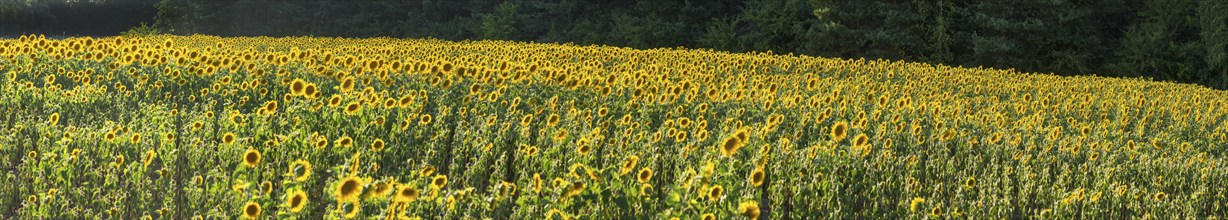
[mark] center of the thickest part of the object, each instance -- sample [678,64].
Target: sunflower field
[202,127]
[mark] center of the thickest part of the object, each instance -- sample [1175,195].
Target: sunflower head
[377,145]
[439,181]
[716,192]
[730,145]
[251,158]
[251,210]
[348,189]
[757,177]
[644,175]
[296,201]
[300,170]
[749,209]
[839,131]
[406,193]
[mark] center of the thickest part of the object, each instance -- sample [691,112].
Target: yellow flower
[296,201]
[348,189]
[405,193]
[644,176]
[300,170]
[251,210]
[439,181]
[915,203]
[757,177]
[749,209]
[353,108]
[730,146]
[377,145]
[839,131]
[251,158]
[149,157]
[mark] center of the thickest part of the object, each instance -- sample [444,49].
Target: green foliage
[142,30]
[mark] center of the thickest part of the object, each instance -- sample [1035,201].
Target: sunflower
[426,171]
[251,210]
[345,141]
[425,119]
[297,86]
[334,101]
[730,145]
[537,182]
[348,189]
[528,118]
[629,164]
[270,107]
[136,138]
[53,119]
[839,131]
[300,170]
[936,211]
[644,175]
[149,157]
[379,190]
[228,138]
[583,146]
[1161,196]
[321,142]
[716,192]
[861,140]
[110,136]
[353,108]
[377,145]
[251,158]
[266,187]
[915,203]
[354,208]
[970,183]
[757,177]
[347,84]
[296,201]
[708,216]
[749,209]
[405,194]
[119,160]
[552,120]
[439,181]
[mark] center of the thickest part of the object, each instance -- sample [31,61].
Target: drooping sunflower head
[149,157]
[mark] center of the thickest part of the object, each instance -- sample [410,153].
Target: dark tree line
[1175,40]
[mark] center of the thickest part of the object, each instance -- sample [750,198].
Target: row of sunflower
[202,127]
